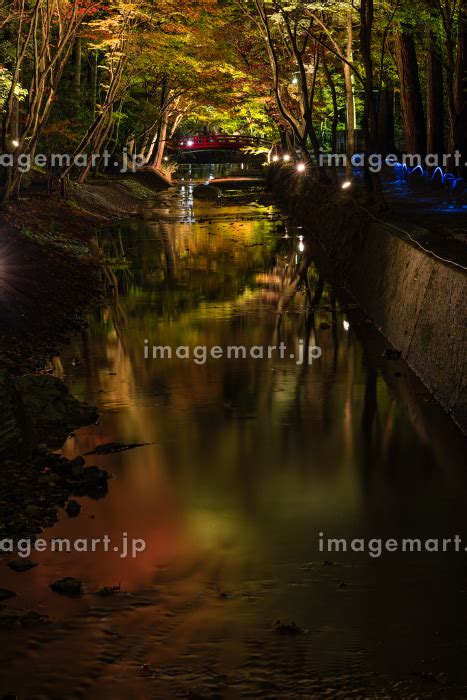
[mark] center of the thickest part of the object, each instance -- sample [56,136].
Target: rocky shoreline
[50,273]
[37,413]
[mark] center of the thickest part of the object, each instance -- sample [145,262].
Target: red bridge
[215,142]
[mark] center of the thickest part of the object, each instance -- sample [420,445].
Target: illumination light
[275,158]
[166,157]
[301,167]
[346,185]
[301,246]
[190,143]
[402,168]
[295,80]
[286,157]
[346,325]
[15,143]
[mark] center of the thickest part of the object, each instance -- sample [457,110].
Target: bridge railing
[215,141]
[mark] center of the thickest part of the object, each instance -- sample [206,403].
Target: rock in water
[77,472]
[112,447]
[95,475]
[208,192]
[78,462]
[22,564]
[67,586]
[288,628]
[109,591]
[73,509]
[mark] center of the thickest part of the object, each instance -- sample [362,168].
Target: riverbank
[51,270]
[51,264]
[416,299]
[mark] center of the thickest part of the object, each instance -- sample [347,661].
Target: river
[246,462]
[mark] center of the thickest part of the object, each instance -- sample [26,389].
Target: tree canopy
[82,76]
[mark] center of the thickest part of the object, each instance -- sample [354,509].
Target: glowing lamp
[275,158]
[190,143]
[346,185]
[15,143]
[301,167]
[286,158]
[346,325]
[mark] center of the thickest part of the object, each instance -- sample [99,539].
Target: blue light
[402,168]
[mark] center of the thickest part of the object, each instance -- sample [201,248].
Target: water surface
[247,461]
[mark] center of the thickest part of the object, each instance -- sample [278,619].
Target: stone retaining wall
[417,301]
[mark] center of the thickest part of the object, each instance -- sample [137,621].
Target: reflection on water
[248,461]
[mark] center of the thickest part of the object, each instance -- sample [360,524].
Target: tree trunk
[386,142]
[411,95]
[175,125]
[283,137]
[349,96]
[335,114]
[15,119]
[157,160]
[369,119]
[152,146]
[93,98]
[434,99]
[77,69]
[155,154]
[460,87]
